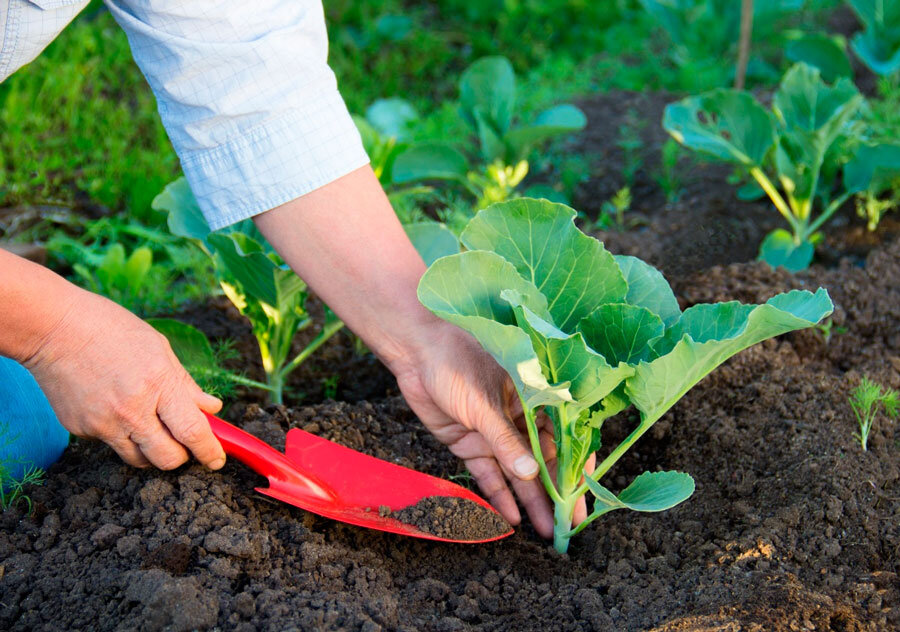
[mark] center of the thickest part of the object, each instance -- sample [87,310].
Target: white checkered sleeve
[247,97]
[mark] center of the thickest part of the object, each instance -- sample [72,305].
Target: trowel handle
[265,460]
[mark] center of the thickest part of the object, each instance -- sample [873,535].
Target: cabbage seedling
[255,279]
[585,335]
[808,118]
[878,45]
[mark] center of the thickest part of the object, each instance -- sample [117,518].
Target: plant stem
[535,442]
[621,449]
[827,213]
[327,332]
[776,198]
[744,43]
[562,523]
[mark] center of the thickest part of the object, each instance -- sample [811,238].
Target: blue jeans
[30,434]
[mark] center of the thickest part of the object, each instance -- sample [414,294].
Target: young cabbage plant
[256,280]
[584,335]
[126,279]
[487,94]
[878,45]
[793,142]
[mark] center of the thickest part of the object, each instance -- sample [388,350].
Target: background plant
[878,44]
[866,400]
[202,360]
[790,146]
[585,335]
[256,281]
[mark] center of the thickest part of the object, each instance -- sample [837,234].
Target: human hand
[110,376]
[469,403]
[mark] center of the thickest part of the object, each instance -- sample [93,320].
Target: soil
[792,526]
[453,518]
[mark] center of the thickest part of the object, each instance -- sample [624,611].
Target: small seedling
[866,400]
[13,491]
[585,335]
[827,329]
[330,386]
[613,210]
[257,282]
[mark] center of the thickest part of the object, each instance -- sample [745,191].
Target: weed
[866,400]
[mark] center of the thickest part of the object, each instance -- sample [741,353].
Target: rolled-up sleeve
[247,98]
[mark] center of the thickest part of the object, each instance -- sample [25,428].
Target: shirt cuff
[302,149]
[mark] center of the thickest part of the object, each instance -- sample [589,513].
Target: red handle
[265,460]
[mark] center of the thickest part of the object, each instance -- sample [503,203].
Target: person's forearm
[346,242]
[32,301]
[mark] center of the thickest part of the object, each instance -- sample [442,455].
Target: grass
[81,118]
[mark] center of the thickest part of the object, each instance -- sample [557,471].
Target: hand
[469,403]
[111,376]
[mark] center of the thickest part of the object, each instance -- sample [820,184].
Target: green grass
[82,118]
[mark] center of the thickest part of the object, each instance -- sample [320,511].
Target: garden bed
[792,526]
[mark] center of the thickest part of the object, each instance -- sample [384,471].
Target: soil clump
[453,518]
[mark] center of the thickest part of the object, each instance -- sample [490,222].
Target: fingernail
[217,464]
[525,466]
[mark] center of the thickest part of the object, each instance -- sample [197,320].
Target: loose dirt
[792,527]
[453,518]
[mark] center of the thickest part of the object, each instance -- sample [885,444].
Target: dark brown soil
[792,526]
[453,518]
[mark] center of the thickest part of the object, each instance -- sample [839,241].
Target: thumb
[510,448]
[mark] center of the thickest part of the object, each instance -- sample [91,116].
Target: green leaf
[725,124]
[621,332]
[492,146]
[488,86]
[567,358]
[872,168]
[432,240]
[138,266]
[392,117]
[191,346]
[260,277]
[877,51]
[820,51]
[185,218]
[647,287]
[658,384]
[430,161]
[465,289]
[780,249]
[657,491]
[804,102]
[649,492]
[574,271]
[559,120]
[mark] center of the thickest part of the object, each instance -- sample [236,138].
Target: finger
[537,505]
[548,446]
[158,446]
[508,445]
[189,426]
[128,451]
[581,506]
[493,485]
[205,402]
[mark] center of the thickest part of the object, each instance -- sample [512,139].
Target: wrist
[38,301]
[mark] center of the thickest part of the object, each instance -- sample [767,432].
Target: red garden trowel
[334,481]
